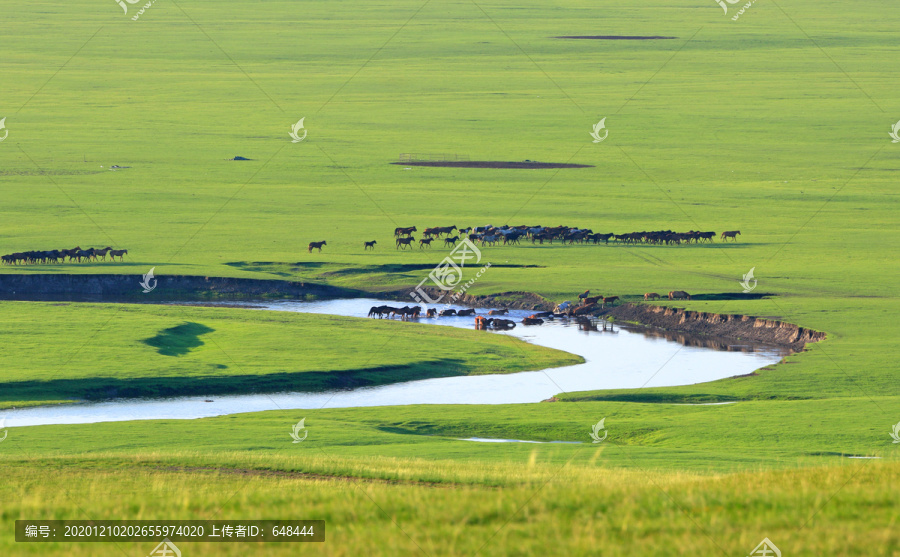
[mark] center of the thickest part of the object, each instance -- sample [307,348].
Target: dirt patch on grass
[298,475]
[615,37]
[495,164]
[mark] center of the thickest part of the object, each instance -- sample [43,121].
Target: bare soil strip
[614,37]
[494,164]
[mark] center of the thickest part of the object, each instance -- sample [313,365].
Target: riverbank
[126,288]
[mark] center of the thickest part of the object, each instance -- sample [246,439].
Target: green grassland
[776,124]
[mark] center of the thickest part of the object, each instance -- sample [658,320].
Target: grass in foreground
[538,510]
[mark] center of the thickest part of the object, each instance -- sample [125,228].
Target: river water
[618,358]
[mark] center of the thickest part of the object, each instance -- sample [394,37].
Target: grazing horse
[651,296]
[405,242]
[503,311]
[610,299]
[404,231]
[117,253]
[450,240]
[370,245]
[315,245]
[465,312]
[532,321]
[85,254]
[425,243]
[101,253]
[679,295]
[733,234]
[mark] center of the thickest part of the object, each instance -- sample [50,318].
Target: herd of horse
[513,235]
[75,254]
[588,306]
[507,235]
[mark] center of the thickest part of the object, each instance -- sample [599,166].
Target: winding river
[624,357]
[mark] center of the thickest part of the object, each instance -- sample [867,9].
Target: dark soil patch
[299,475]
[495,164]
[614,37]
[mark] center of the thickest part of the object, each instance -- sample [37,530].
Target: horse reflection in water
[587,324]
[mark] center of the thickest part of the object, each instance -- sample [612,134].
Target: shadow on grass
[178,341]
[100,388]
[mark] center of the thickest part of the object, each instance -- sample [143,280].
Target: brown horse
[404,242]
[404,231]
[586,310]
[482,323]
[465,312]
[370,245]
[498,312]
[118,253]
[733,234]
[591,300]
[679,295]
[315,245]
[610,299]
[425,242]
[431,312]
[651,296]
